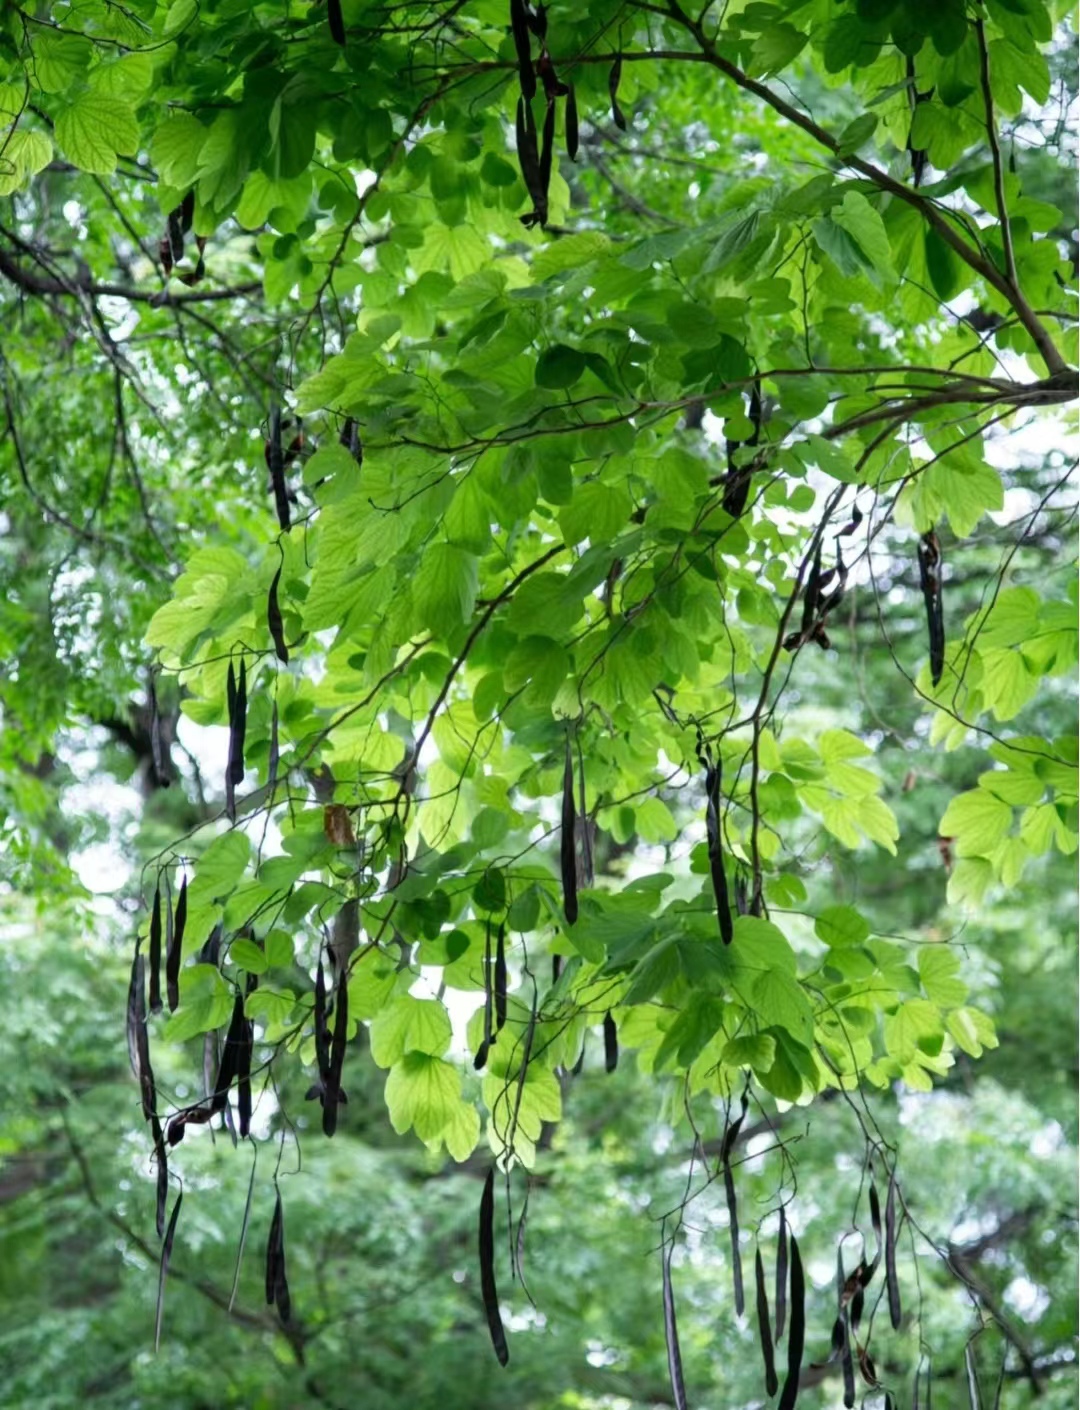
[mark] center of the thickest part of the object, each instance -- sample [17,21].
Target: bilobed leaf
[94,129]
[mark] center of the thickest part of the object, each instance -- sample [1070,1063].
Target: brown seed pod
[671,1336]
[336,21]
[488,1289]
[274,621]
[175,950]
[166,1254]
[764,1327]
[572,135]
[519,24]
[614,76]
[567,849]
[155,953]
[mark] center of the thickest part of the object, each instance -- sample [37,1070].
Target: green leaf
[94,129]
[409,1025]
[444,591]
[841,925]
[559,367]
[977,821]
[423,1092]
[938,970]
[780,1002]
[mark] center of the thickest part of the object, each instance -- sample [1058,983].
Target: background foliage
[582,400]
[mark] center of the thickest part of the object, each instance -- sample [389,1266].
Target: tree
[574,552]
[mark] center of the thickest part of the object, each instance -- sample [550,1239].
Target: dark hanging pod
[488,1290]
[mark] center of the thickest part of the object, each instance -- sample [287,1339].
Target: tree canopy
[562,523]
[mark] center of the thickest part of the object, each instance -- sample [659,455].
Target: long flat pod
[892,1282]
[229,1054]
[485,1043]
[277,1283]
[230,702]
[797,1332]
[736,1255]
[714,842]
[335,21]
[929,554]
[244,1228]
[175,951]
[333,1096]
[274,620]
[488,1290]
[974,1395]
[162,1175]
[157,744]
[764,1327]
[499,986]
[275,461]
[528,158]
[781,1274]
[611,1044]
[567,849]
[239,726]
[572,135]
[847,1364]
[547,143]
[155,952]
[243,1076]
[613,91]
[519,24]
[136,1005]
[163,1269]
[671,1336]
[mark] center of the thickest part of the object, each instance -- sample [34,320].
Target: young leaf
[487,1269]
